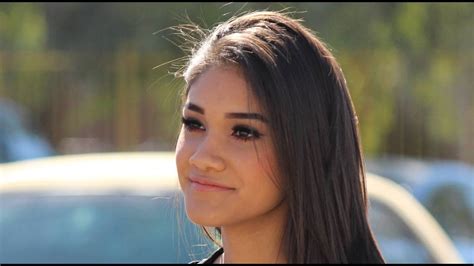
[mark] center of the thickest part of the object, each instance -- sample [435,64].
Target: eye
[192,124]
[245,133]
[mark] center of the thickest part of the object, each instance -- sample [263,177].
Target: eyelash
[192,124]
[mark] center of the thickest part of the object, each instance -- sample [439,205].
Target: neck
[256,241]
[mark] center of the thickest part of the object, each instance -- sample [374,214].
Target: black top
[209,260]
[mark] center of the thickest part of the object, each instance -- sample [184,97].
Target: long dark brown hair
[302,90]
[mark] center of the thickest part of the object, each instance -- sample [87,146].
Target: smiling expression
[224,154]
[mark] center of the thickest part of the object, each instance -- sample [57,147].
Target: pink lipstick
[205,184]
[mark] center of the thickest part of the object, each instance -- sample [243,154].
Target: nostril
[207,161]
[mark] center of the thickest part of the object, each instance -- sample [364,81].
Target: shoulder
[210,259]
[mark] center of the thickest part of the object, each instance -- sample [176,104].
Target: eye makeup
[192,124]
[240,132]
[245,133]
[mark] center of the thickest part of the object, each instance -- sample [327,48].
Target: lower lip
[208,188]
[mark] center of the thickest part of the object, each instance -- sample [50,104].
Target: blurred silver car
[444,187]
[126,207]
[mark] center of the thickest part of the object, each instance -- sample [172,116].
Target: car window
[398,243]
[38,228]
[452,206]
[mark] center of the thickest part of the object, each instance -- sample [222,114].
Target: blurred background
[92,77]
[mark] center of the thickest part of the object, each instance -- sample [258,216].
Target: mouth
[203,184]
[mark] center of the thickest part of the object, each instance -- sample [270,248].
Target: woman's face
[223,178]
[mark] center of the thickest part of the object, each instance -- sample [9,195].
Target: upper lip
[206,181]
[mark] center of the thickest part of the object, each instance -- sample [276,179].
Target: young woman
[269,152]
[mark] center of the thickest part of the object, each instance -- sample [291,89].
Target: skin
[251,210]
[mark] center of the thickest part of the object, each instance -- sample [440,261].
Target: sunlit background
[91,78]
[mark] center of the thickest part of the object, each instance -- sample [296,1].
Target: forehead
[222,88]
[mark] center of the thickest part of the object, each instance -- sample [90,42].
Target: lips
[205,184]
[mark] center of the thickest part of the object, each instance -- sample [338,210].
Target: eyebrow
[257,116]
[195,108]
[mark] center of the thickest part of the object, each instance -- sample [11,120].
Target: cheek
[260,174]
[183,152]
[263,162]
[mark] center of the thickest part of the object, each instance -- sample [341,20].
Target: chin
[201,215]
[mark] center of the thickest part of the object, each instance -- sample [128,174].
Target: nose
[206,157]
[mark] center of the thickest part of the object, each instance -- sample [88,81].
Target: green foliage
[22,27]
[88,69]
